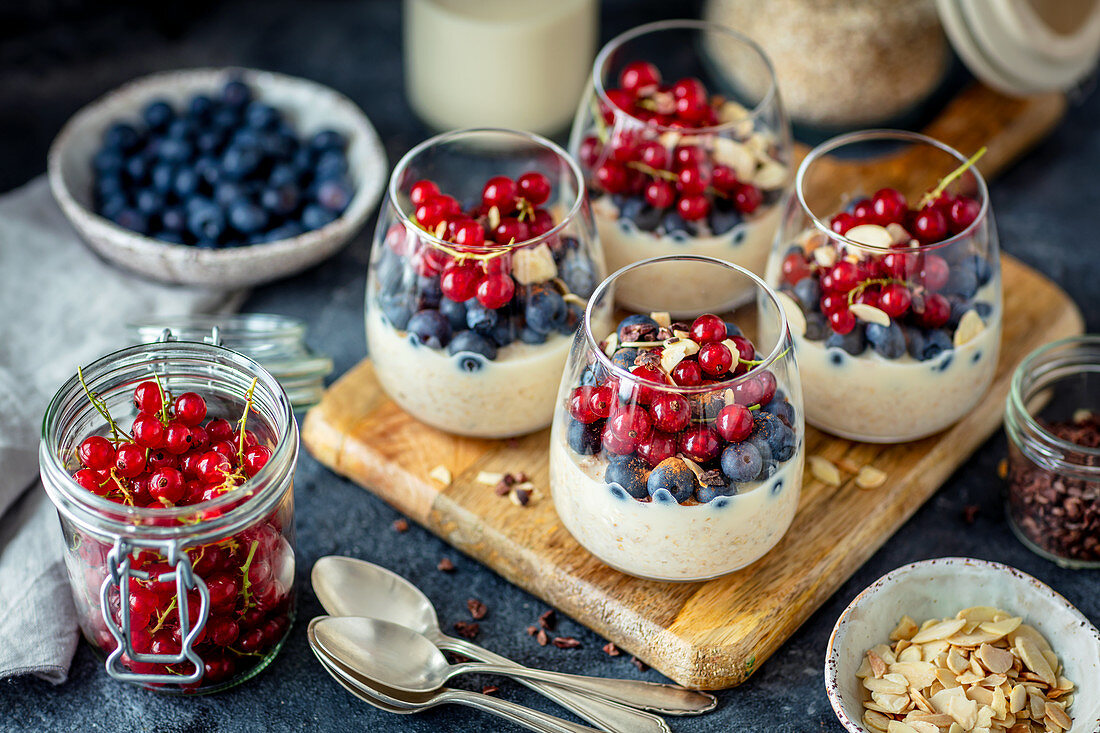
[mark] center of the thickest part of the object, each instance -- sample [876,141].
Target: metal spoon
[406,703]
[350,587]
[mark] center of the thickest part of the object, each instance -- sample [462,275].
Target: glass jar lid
[275,341]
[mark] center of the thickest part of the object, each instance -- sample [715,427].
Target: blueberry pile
[737,434]
[413,300]
[225,171]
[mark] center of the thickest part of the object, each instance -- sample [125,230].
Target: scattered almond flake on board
[489,478]
[870,234]
[675,351]
[869,314]
[794,314]
[970,325]
[663,319]
[825,256]
[534,265]
[870,477]
[441,474]
[824,470]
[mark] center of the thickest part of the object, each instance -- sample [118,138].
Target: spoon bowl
[349,587]
[385,652]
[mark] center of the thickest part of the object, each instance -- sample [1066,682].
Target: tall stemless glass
[677,447]
[470,306]
[892,284]
[683,155]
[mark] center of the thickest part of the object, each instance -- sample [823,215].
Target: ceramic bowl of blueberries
[218,177]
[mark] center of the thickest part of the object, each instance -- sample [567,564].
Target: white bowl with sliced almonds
[962,642]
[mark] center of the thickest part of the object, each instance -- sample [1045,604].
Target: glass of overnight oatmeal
[682,155]
[171,467]
[677,447]
[483,260]
[890,275]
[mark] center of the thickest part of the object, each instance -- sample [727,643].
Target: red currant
[689,88]
[745,350]
[723,178]
[600,400]
[747,198]
[929,225]
[459,280]
[611,177]
[511,230]
[964,211]
[166,485]
[693,207]
[255,458]
[832,302]
[148,431]
[795,268]
[653,154]
[580,405]
[90,480]
[708,328]
[199,438]
[612,443]
[671,412]
[687,373]
[178,438]
[934,272]
[189,408]
[688,155]
[227,448]
[639,77]
[535,187]
[757,390]
[632,424]
[734,423]
[212,467]
[430,213]
[590,151]
[894,300]
[700,444]
[130,460]
[540,224]
[660,194]
[96,452]
[495,291]
[499,191]
[889,207]
[423,191]
[936,311]
[147,398]
[219,429]
[842,222]
[715,359]
[845,276]
[657,448]
[692,180]
[842,321]
[863,211]
[468,233]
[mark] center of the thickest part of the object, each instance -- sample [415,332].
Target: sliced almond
[870,234]
[869,314]
[878,667]
[771,175]
[918,674]
[534,265]
[896,726]
[911,653]
[1035,661]
[970,325]
[612,344]
[973,638]
[875,720]
[1055,712]
[870,477]
[937,631]
[907,627]
[675,351]
[898,233]
[494,217]
[825,256]
[795,317]
[441,474]
[887,685]
[1017,699]
[736,155]
[489,478]
[824,470]
[1004,627]
[890,702]
[662,318]
[978,613]
[994,659]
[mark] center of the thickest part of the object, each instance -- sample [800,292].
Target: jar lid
[1025,46]
[277,342]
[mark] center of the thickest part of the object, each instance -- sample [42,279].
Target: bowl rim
[832,650]
[368,189]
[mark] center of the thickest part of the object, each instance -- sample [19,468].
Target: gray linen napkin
[60,307]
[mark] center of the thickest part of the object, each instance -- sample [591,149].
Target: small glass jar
[897,327]
[471,337]
[669,464]
[1052,418]
[191,598]
[661,185]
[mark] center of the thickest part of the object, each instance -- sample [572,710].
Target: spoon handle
[528,718]
[660,698]
[604,714]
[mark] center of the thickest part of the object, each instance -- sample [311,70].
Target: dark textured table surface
[53,61]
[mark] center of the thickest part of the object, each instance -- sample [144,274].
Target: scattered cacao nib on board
[477,609]
[401,525]
[642,666]
[467,629]
[446,565]
[542,638]
[970,513]
[611,650]
[566,642]
[489,689]
[532,630]
[548,620]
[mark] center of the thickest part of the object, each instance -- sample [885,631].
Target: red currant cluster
[905,284]
[509,212]
[171,457]
[644,417]
[631,161]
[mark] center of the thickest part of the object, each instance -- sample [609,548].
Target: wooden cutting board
[713,634]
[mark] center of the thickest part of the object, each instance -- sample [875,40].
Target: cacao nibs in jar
[1061,514]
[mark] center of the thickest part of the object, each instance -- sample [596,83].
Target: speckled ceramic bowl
[941,588]
[309,106]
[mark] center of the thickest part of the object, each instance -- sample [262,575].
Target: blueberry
[983,269]
[429,292]
[396,310]
[200,106]
[328,140]
[149,202]
[887,341]
[707,494]
[180,129]
[121,136]
[330,164]
[675,226]
[732,329]
[246,217]
[672,475]
[186,182]
[723,218]
[430,327]
[112,206]
[962,280]
[584,439]
[471,341]
[107,160]
[530,336]
[226,118]
[133,220]
[303,159]
[503,333]
[226,192]
[624,358]
[936,342]
[854,342]
[334,195]
[635,320]
[779,438]
[246,137]
[286,231]
[454,311]
[173,219]
[174,150]
[261,116]
[283,174]
[108,187]
[239,162]
[165,235]
[579,275]
[277,146]
[479,318]
[782,408]
[644,216]
[630,474]
[206,221]
[985,310]
[741,462]
[208,169]
[209,141]
[545,309]
[574,315]
[914,341]
[162,177]
[281,201]
[137,169]
[808,293]
[316,217]
[236,93]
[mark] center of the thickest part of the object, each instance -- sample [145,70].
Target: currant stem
[854,292]
[101,407]
[245,584]
[601,126]
[244,420]
[950,177]
[163,400]
[164,617]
